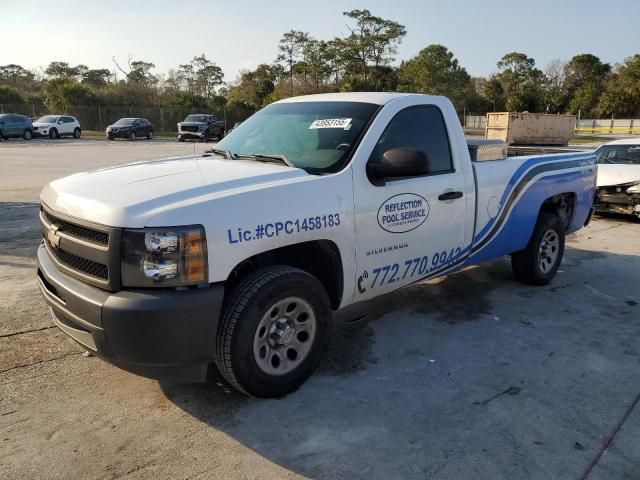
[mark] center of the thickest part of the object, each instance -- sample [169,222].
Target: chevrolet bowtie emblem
[52,235]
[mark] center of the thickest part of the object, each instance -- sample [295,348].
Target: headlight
[634,189]
[164,257]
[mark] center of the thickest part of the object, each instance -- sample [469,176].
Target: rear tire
[538,263]
[76,133]
[273,331]
[132,136]
[205,137]
[27,135]
[150,135]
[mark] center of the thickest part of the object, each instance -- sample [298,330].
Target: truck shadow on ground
[302,430]
[434,375]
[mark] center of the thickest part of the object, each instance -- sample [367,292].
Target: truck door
[413,227]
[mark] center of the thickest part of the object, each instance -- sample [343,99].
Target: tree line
[363,60]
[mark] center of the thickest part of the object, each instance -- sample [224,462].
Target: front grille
[80,264]
[189,128]
[78,231]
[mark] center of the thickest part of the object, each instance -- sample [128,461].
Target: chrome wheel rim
[284,336]
[548,251]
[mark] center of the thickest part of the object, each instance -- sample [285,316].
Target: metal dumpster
[530,128]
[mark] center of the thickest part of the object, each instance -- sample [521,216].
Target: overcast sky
[243,33]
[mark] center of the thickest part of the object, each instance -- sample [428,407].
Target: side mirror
[400,162]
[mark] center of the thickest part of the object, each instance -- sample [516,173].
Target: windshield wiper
[262,157]
[221,151]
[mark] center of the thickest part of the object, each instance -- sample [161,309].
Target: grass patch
[582,139]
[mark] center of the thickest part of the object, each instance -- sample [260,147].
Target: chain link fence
[163,118]
[610,126]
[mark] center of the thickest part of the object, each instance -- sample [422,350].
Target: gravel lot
[470,376]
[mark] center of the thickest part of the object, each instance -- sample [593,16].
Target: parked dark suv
[200,126]
[130,128]
[13,125]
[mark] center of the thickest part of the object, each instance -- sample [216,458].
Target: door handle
[449,196]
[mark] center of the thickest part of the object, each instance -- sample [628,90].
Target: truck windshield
[315,136]
[629,154]
[196,118]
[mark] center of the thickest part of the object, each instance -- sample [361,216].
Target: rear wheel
[132,136]
[538,263]
[150,135]
[27,135]
[76,133]
[205,137]
[273,331]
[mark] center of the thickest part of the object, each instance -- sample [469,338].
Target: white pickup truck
[241,256]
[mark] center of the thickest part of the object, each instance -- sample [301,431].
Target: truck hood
[130,195]
[617,174]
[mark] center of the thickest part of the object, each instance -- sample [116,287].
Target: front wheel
[538,263]
[205,137]
[53,133]
[273,331]
[27,135]
[132,136]
[76,133]
[150,135]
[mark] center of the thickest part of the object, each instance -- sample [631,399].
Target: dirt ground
[470,376]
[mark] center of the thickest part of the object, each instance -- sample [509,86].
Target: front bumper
[163,334]
[41,132]
[618,202]
[190,135]
[118,134]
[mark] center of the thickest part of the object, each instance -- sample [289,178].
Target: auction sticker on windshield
[344,123]
[403,213]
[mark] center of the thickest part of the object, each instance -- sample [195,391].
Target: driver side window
[422,128]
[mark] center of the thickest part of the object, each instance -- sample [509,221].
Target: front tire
[180,138]
[76,133]
[53,134]
[205,137]
[538,263]
[273,331]
[132,136]
[150,135]
[27,135]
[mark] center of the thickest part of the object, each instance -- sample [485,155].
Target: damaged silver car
[619,177]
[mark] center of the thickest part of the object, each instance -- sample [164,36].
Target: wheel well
[562,205]
[320,258]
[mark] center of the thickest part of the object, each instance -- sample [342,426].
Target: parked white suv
[56,126]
